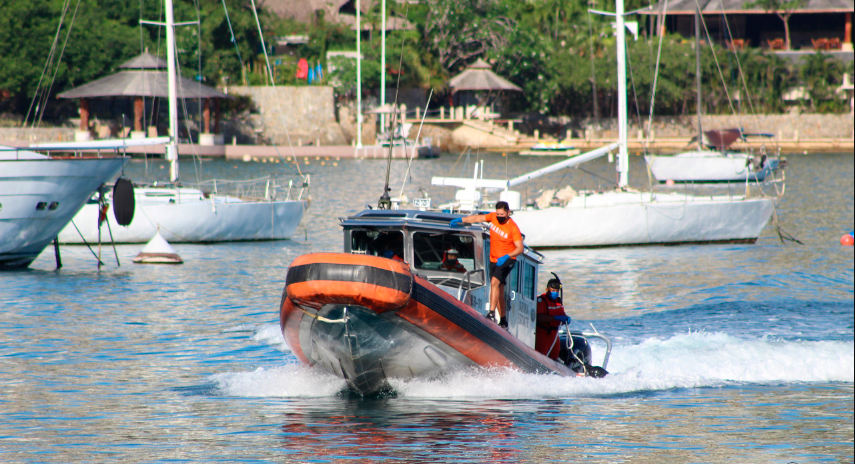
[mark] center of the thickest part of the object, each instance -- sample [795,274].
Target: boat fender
[123,201]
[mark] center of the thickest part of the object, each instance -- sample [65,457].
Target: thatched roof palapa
[480,76]
[143,78]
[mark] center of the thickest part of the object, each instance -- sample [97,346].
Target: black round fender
[123,201]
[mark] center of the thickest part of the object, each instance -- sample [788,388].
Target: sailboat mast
[383,62]
[698,73]
[358,77]
[172,147]
[623,154]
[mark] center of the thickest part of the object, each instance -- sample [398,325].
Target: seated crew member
[506,243]
[550,315]
[450,262]
[393,251]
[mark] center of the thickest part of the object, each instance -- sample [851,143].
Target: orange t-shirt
[502,237]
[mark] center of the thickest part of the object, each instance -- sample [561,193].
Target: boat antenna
[385,202]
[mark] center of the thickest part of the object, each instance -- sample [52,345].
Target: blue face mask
[553,295]
[388,253]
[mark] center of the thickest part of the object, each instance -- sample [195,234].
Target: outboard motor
[578,356]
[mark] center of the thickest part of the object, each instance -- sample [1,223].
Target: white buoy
[158,251]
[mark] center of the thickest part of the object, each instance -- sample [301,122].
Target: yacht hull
[712,167]
[60,186]
[368,337]
[616,219]
[189,217]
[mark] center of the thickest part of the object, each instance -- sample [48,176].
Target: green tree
[820,75]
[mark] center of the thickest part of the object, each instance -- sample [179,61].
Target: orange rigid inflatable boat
[367,318]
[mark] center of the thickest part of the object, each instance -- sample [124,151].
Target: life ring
[318,279]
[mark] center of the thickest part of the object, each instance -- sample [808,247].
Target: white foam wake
[691,360]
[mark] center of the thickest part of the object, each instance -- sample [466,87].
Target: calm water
[726,353]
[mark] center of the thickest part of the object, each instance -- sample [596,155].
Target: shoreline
[661,146]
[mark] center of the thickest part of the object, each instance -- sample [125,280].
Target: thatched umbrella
[142,77]
[480,76]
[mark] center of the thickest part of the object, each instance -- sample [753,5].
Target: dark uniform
[547,332]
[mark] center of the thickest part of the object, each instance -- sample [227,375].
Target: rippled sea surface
[722,353]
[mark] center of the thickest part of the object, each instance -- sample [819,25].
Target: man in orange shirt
[506,244]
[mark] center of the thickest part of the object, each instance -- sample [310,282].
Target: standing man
[506,244]
[550,316]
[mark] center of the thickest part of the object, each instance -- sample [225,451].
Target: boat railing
[266,188]
[597,334]
[467,278]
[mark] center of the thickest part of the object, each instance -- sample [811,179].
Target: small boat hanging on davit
[389,307]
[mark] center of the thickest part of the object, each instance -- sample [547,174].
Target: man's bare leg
[495,292]
[501,301]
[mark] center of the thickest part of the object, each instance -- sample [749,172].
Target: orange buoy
[847,240]
[669,182]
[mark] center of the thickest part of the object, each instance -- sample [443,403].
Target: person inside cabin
[550,316]
[393,250]
[450,262]
[506,243]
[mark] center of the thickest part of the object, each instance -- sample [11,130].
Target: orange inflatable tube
[318,279]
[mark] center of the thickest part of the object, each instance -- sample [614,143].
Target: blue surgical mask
[553,295]
[388,253]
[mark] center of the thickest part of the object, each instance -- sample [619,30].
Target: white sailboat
[622,216]
[713,160]
[39,195]
[188,215]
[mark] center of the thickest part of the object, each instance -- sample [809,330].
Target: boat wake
[689,360]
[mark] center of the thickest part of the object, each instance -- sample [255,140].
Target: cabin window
[377,243]
[528,282]
[430,251]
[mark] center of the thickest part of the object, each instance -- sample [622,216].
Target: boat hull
[712,167]
[61,185]
[616,219]
[367,343]
[191,218]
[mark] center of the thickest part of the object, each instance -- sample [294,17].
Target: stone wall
[305,113]
[785,126]
[50,134]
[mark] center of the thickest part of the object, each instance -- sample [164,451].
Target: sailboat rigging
[623,216]
[713,160]
[201,214]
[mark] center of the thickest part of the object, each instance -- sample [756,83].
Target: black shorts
[501,272]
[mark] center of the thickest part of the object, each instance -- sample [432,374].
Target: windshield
[389,244]
[444,251]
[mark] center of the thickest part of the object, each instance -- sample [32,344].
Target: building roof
[303,10]
[393,23]
[687,7]
[144,61]
[141,84]
[480,76]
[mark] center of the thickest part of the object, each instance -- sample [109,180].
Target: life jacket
[553,308]
[449,266]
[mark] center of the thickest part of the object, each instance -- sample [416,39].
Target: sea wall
[784,126]
[303,114]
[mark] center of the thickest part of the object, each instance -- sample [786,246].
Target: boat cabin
[424,240]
